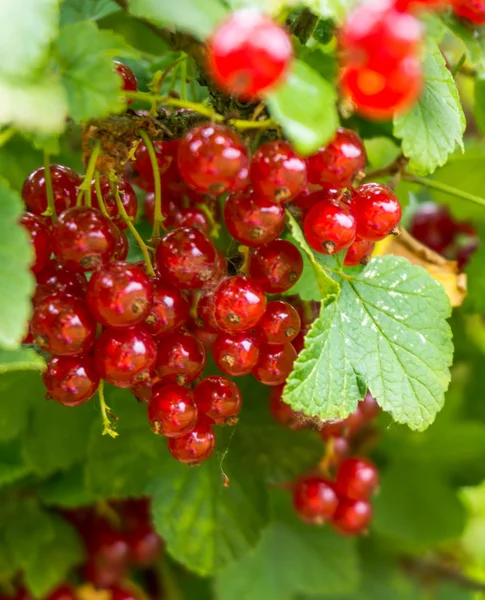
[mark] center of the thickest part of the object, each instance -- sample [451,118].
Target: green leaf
[18,391]
[475,300]
[86,58]
[479,102]
[472,37]
[12,465]
[67,489]
[81,10]
[320,59]
[198,17]
[331,9]
[26,31]
[387,331]
[305,106]
[23,359]
[292,558]
[434,127]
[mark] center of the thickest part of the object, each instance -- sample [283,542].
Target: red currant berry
[169,309]
[282,412]
[64,592]
[236,354]
[171,205]
[248,53]
[307,200]
[121,247]
[280,323]
[346,428]
[83,239]
[64,186]
[109,555]
[190,217]
[71,380]
[277,266]
[416,5]
[172,411]
[127,196]
[212,159]
[218,398]
[357,479]
[377,211]
[119,593]
[252,220]
[329,228]
[143,390]
[40,238]
[472,10]
[55,278]
[119,295]
[315,499]
[194,447]
[181,358]
[369,407]
[359,253]
[145,545]
[339,448]
[433,226]
[219,273]
[337,163]
[129,82]
[125,356]
[63,325]
[352,516]
[274,364]
[143,164]
[239,303]
[466,251]
[277,172]
[186,258]
[205,314]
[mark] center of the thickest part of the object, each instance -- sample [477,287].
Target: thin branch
[441,187]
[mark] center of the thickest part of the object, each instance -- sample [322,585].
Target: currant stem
[88,177]
[157,184]
[6,135]
[442,187]
[164,75]
[108,429]
[97,187]
[215,226]
[183,80]
[51,207]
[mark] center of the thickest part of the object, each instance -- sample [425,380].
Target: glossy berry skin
[277,266]
[377,211]
[236,354]
[359,253]
[357,479]
[121,247]
[143,390]
[143,163]
[190,217]
[181,358]
[433,226]
[172,411]
[329,228]
[40,239]
[186,258]
[212,159]
[119,295]
[307,200]
[64,187]
[253,220]
[378,94]
[315,499]
[64,592]
[471,10]
[71,380]
[125,356]
[169,309]
[218,398]
[277,173]
[352,516]
[194,447]
[274,364]
[62,325]
[239,303]
[83,239]
[280,323]
[248,53]
[337,163]
[127,197]
[205,313]
[56,279]
[128,78]
[282,412]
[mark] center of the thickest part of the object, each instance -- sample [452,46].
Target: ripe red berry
[129,82]
[127,197]
[314,499]
[143,390]
[143,164]
[119,295]
[109,555]
[472,10]
[466,251]
[433,226]
[63,325]
[125,356]
[121,246]
[280,323]
[248,53]
[172,411]
[190,217]
[212,159]
[145,545]
[64,187]
[357,479]
[416,5]
[194,447]
[205,313]
[282,412]
[218,398]
[277,172]
[55,278]
[40,238]
[64,592]
[359,253]
[330,228]
[352,516]
[307,200]
[236,354]
[369,407]
[239,303]
[169,309]
[71,380]
[377,211]
[186,258]
[337,163]
[119,593]
[253,220]
[274,364]
[277,266]
[181,358]
[83,239]
[346,428]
